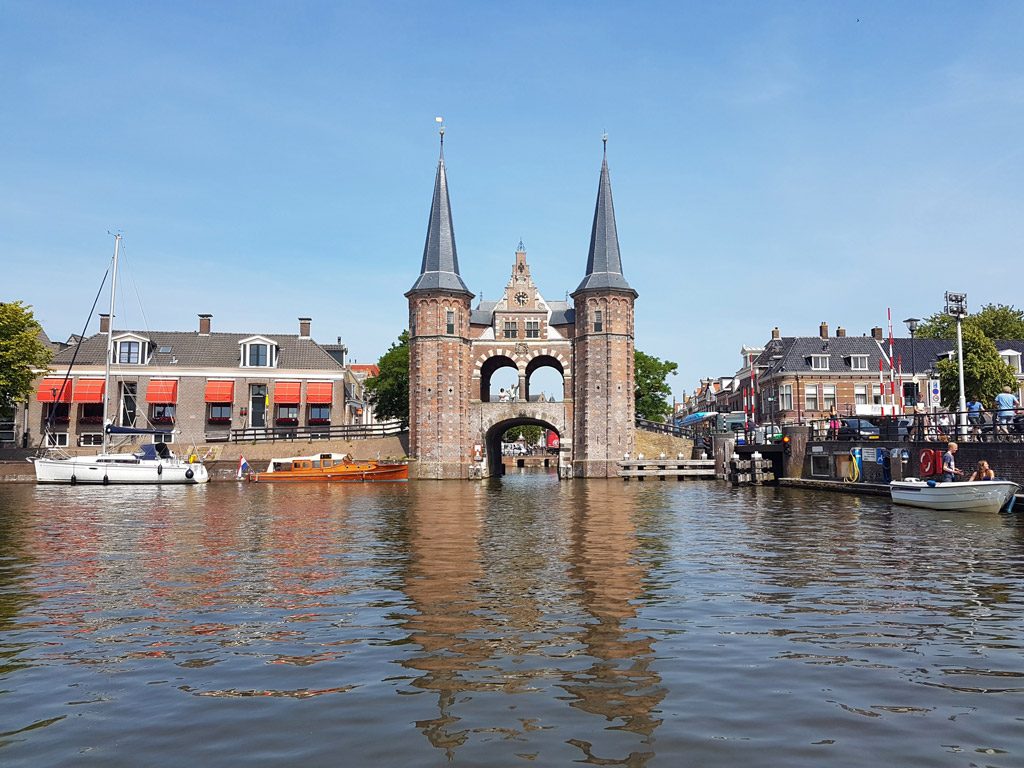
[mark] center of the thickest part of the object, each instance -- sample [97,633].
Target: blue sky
[772,163]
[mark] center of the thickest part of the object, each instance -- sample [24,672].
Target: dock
[660,468]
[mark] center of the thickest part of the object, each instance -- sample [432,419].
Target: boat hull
[90,470]
[977,496]
[353,472]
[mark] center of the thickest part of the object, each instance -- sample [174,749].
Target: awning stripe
[288,392]
[320,392]
[162,391]
[89,391]
[49,390]
[220,391]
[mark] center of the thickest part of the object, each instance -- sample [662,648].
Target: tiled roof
[216,350]
[924,353]
[793,353]
[439,270]
[604,265]
[562,313]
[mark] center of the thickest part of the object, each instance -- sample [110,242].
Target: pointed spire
[604,265]
[439,270]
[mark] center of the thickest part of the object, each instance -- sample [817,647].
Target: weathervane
[440,121]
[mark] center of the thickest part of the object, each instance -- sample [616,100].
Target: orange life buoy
[926,461]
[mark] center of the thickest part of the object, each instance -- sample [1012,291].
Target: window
[860,394]
[876,394]
[1013,361]
[533,329]
[128,352]
[56,439]
[821,465]
[165,349]
[598,321]
[828,397]
[161,414]
[319,414]
[786,397]
[219,413]
[511,329]
[858,362]
[288,414]
[450,322]
[167,437]
[259,356]
[59,413]
[810,397]
[91,438]
[819,362]
[91,413]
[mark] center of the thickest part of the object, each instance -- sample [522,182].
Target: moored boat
[965,496]
[330,467]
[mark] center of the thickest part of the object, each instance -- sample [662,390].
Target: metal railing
[660,426]
[991,425]
[309,433]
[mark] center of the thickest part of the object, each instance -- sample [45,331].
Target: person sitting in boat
[983,472]
[949,470]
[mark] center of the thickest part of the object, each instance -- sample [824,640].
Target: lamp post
[911,323]
[956,305]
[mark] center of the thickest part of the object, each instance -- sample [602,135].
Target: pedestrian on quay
[974,417]
[1006,406]
[949,470]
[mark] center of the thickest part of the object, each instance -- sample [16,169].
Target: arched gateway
[455,420]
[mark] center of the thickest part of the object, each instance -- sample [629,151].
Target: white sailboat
[152,464]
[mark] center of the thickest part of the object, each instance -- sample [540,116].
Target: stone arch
[546,359]
[492,438]
[487,368]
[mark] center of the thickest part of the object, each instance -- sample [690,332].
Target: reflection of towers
[620,684]
[441,582]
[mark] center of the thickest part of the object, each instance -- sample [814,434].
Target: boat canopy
[696,418]
[112,430]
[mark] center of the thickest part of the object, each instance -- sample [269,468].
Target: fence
[342,432]
[980,426]
[660,426]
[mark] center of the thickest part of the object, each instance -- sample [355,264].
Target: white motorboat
[151,464]
[964,496]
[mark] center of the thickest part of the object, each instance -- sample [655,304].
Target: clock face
[521,298]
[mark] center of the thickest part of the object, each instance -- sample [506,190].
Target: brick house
[203,384]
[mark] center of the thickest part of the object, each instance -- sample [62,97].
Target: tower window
[598,321]
[511,329]
[450,322]
[533,329]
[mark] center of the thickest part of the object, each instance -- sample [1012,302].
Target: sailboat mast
[110,344]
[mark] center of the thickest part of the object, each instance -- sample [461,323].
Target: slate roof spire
[439,270]
[604,265]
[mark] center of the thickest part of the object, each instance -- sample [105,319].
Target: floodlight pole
[956,305]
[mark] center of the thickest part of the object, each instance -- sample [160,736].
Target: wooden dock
[661,469]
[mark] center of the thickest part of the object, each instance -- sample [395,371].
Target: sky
[771,163]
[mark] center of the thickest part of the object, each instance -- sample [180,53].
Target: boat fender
[159,469]
[189,473]
[931,483]
[74,480]
[106,480]
[926,462]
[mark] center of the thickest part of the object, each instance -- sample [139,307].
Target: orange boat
[331,468]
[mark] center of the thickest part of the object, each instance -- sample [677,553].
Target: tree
[531,434]
[651,390]
[996,321]
[389,389]
[22,353]
[985,373]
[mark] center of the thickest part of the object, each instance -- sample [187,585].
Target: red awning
[319,392]
[49,390]
[220,391]
[89,391]
[162,391]
[288,392]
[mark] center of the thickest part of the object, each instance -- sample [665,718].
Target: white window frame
[860,394]
[816,363]
[90,439]
[272,351]
[56,439]
[826,397]
[811,390]
[164,437]
[145,349]
[785,397]
[858,362]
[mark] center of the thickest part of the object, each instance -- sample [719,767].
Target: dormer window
[258,352]
[130,350]
[819,362]
[858,362]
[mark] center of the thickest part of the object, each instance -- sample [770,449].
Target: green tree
[996,321]
[651,390]
[531,434]
[389,390]
[985,373]
[22,354]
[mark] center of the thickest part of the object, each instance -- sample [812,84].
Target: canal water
[522,621]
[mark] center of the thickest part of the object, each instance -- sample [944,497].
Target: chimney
[840,332]
[104,323]
[876,333]
[304,323]
[204,325]
[776,333]
[823,330]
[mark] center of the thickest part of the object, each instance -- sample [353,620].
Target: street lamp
[956,305]
[911,323]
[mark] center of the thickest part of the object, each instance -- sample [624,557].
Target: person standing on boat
[949,470]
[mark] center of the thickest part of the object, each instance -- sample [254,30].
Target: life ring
[189,474]
[926,461]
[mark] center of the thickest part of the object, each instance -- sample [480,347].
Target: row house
[202,384]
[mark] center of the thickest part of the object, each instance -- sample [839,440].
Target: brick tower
[603,375]
[440,365]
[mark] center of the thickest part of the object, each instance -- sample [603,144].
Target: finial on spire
[604,140]
[521,248]
[440,121]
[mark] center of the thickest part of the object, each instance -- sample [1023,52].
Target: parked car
[857,429]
